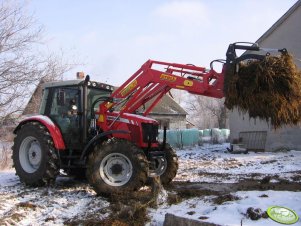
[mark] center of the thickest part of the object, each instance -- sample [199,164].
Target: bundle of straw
[269,89]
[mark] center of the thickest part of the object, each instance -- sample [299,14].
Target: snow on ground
[232,213]
[70,201]
[213,163]
[67,201]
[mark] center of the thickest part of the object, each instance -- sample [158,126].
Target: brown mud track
[287,181]
[225,188]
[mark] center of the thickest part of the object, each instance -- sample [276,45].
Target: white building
[257,134]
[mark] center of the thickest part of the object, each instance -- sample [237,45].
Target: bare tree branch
[21,65]
[206,112]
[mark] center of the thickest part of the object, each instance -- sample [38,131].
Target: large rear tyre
[34,155]
[116,166]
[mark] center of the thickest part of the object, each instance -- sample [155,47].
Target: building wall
[181,124]
[288,137]
[286,35]
[171,122]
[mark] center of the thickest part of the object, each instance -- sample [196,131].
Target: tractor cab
[68,104]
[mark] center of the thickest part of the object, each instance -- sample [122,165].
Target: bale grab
[264,86]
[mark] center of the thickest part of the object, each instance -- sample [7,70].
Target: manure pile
[269,89]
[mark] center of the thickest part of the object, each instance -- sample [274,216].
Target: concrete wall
[288,137]
[287,34]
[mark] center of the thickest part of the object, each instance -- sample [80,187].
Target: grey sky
[114,38]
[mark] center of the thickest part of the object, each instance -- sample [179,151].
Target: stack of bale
[269,89]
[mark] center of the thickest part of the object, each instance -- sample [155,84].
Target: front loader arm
[149,83]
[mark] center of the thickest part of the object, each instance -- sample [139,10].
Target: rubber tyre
[122,147]
[172,166]
[48,168]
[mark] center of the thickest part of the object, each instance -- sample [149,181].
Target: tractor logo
[168,78]
[282,215]
[129,88]
[188,83]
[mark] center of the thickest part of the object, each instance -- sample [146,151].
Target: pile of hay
[269,89]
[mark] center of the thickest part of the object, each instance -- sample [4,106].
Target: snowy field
[212,185]
[212,163]
[230,213]
[219,170]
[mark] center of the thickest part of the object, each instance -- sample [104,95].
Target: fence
[254,140]
[192,137]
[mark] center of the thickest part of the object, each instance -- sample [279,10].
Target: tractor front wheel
[116,166]
[34,155]
[171,165]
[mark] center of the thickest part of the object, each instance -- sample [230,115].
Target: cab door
[64,109]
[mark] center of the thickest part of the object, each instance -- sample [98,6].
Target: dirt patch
[124,210]
[296,177]
[194,189]
[268,162]
[192,192]
[191,212]
[173,198]
[256,213]
[263,196]
[203,218]
[27,205]
[224,198]
[265,180]
[129,209]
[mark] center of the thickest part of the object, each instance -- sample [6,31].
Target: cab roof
[78,82]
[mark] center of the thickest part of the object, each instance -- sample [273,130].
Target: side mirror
[61,98]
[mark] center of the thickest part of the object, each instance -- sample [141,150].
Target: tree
[207,112]
[22,63]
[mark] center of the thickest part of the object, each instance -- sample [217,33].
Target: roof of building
[168,105]
[279,21]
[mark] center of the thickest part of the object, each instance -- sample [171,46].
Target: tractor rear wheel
[116,166]
[34,155]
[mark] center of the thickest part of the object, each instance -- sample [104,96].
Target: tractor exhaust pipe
[85,108]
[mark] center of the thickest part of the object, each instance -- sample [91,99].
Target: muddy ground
[73,202]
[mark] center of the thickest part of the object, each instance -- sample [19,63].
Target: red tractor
[87,129]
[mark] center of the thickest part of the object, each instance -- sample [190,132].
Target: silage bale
[190,137]
[207,133]
[201,133]
[216,132]
[173,137]
[269,89]
[206,136]
[225,133]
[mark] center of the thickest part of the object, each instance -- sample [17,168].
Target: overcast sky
[114,38]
